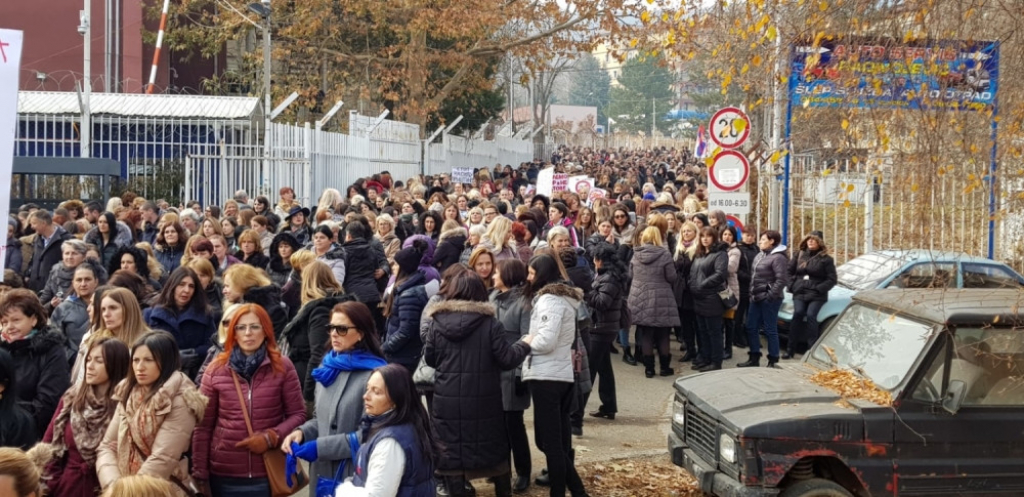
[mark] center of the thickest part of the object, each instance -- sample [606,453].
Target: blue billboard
[887,74]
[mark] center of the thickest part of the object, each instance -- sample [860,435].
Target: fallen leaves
[851,386]
[638,478]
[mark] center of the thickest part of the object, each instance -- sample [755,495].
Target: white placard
[730,203]
[462,175]
[545,179]
[10,69]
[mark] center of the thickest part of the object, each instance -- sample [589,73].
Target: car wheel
[816,487]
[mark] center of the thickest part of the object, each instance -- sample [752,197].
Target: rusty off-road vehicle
[952,362]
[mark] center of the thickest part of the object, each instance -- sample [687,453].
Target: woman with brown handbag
[255,396]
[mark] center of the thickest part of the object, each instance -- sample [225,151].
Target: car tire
[816,487]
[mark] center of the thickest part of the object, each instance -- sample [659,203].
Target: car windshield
[874,343]
[868,270]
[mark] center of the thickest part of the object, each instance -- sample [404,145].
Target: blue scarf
[336,362]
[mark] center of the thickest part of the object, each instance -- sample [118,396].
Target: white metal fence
[310,160]
[456,151]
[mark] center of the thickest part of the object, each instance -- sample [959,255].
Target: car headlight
[727,448]
[679,412]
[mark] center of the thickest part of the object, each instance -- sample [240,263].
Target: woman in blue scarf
[340,384]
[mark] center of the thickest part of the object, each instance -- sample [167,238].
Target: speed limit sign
[730,127]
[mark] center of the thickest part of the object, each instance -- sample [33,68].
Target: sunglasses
[340,330]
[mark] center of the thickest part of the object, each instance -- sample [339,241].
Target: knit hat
[409,258]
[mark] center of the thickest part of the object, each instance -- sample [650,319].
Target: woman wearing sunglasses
[354,352]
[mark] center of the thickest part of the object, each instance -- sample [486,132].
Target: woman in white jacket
[549,369]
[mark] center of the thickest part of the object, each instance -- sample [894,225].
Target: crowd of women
[191,345]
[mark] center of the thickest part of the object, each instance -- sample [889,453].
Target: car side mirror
[954,396]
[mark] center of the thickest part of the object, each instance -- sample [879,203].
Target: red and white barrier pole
[159,45]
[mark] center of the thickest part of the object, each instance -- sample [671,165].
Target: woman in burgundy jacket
[227,460]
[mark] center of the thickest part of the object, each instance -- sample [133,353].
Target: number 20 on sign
[730,127]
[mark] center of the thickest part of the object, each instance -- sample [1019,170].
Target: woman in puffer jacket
[652,301]
[770,275]
[449,245]
[709,275]
[250,381]
[108,236]
[182,311]
[605,301]
[329,252]
[281,250]
[403,307]
[468,347]
[813,273]
[549,370]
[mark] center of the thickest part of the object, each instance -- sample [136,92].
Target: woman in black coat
[450,245]
[813,274]
[250,250]
[17,429]
[40,362]
[467,346]
[403,308]
[182,311]
[281,250]
[709,275]
[134,260]
[605,301]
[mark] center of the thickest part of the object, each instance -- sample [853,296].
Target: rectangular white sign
[462,175]
[10,64]
[731,203]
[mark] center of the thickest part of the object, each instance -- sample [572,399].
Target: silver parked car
[916,268]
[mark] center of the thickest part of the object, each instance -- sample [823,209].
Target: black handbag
[728,299]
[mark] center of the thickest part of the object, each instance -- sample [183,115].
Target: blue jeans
[624,338]
[710,328]
[801,333]
[764,315]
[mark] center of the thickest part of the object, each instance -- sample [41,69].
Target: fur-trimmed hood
[39,344]
[458,319]
[454,232]
[561,290]
[467,306]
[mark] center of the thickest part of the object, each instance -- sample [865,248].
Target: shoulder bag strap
[241,400]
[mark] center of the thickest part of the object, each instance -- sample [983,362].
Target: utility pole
[778,129]
[654,119]
[107,29]
[263,10]
[85,29]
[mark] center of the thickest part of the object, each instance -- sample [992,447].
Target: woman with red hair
[249,383]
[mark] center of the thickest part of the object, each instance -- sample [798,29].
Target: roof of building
[140,105]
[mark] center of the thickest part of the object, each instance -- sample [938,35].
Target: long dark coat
[41,364]
[467,346]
